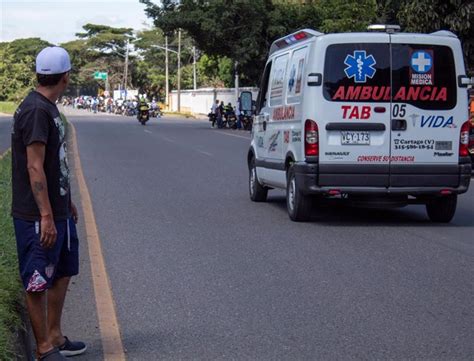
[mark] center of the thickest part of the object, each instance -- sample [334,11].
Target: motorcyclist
[142,107]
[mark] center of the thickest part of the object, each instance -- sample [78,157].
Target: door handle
[264,125]
[399,124]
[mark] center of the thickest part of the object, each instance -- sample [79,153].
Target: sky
[57,21]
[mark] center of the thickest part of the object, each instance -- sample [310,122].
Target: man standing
[43,213]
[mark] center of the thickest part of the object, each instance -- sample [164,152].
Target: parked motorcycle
[247,121]
[156,113]
[231,120]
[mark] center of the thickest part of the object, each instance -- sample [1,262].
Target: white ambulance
[379,119]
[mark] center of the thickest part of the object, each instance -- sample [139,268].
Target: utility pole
[167,75]
[194,67]
[236,81]
[126,70]
[179,70]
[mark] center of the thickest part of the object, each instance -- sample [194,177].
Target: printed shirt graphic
[37,120]
[63,163]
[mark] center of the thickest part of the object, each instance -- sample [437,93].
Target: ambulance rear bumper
[415,180]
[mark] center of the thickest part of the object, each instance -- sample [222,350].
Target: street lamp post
[126,70]
[194,68]
[166,72]
[179,70]
[178,53]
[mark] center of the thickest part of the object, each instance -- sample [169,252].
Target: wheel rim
[291,194]
[253,176]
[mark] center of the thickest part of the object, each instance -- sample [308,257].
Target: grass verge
[8,107]
[10,287]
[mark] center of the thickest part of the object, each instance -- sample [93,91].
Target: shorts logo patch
[49,270]
[37,283]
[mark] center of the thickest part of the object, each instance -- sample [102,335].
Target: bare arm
[35,154]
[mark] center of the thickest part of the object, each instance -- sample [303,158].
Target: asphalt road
[200,272]
[5,132]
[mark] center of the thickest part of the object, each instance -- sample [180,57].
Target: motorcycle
[143,116]
[156,113]
[231,120]
[247,121]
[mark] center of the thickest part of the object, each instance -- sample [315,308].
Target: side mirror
[245,102]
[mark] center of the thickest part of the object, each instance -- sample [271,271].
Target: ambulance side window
[295,77]
[262,101]
[277,80]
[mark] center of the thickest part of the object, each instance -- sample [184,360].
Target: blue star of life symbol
[360,66]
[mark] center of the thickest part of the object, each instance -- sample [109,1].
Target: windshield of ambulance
[422,75]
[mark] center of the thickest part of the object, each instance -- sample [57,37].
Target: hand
[48,232]
[75,213]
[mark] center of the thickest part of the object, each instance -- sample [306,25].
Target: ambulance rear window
[357,72]
[422,75]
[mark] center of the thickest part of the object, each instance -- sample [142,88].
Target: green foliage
[347,15]
[236,30]
[215,71]
[17,68]
[10,287]
[8,107]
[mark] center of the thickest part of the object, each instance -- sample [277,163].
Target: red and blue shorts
[39,266]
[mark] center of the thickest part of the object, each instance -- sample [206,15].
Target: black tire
[258,193]
[442,209]
[298,205]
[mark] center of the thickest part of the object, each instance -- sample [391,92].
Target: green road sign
[99,75]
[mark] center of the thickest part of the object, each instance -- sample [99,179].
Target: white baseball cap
[52,60]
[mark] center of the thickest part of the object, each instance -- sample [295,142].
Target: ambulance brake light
[311,138]
[464,140]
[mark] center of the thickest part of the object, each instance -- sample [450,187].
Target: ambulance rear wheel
[258,193]
[442,209]
[298,204]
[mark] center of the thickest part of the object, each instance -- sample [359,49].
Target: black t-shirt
[37,119]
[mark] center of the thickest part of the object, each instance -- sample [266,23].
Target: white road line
[205,153]
[147,131]
[168,139]
[234,135]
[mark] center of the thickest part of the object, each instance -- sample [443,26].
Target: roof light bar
[291,39]
[384,27]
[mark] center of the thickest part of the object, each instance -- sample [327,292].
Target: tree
[347,15]
[100,48]
[17,68]
[236,29]
[243,31]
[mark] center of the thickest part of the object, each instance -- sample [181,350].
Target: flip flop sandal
[53,355]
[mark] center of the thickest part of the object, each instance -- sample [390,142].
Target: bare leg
[36,304]
[56,297]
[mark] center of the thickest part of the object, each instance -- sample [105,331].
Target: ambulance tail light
[464,140]
[311,138]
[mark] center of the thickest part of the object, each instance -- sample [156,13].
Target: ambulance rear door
[354,117]
[425,117]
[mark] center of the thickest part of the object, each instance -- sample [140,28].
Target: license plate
[355,138]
